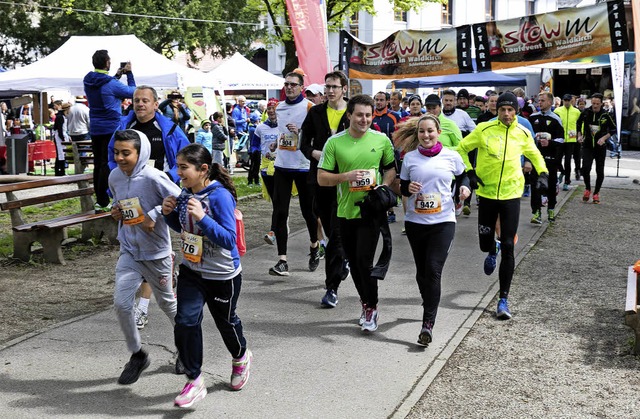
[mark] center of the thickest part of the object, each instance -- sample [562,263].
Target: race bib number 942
[367,182]
[428,203]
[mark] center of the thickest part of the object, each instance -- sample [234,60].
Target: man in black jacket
[323,121]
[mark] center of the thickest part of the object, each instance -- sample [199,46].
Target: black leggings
[268,184]
[536,195]
[599,154]
[430,245]
[566,154]
[509,213]
[359,240]
[282,183]
[325,206]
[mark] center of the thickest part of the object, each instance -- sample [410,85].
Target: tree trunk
[291,61]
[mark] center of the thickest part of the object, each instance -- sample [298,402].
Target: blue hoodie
[173,139]
[150,186]
[105,95]
[220,257]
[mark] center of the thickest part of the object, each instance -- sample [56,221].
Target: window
[399,16]
[489,10]
[530,7]
[447,15]
[354,24]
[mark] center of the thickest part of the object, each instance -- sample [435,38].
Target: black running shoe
[132,370]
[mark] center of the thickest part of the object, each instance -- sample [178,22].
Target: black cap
[507,99]
[463,93]
[567,96]
[432,99]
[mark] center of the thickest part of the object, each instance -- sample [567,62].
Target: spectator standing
[78,120]
[60,133]
[240,114]
[315,93]
[165,136]
[204,135]
[220,137]
[105,94]
[174,108]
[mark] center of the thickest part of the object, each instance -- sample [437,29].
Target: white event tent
[238,73]
[66,67]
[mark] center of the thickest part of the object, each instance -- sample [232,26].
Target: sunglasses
[287,84]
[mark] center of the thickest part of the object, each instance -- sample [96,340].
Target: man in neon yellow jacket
[570,148]
[499,181]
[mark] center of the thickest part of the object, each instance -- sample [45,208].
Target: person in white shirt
[78,120]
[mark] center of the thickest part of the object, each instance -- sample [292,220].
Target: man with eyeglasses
[292,166]
[323,121]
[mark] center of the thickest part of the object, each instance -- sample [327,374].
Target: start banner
[407,54]
[563,35]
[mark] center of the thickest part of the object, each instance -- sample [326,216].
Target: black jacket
[315,133]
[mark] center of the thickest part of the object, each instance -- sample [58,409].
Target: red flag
[309,26]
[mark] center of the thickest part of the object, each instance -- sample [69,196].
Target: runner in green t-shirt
[351,161]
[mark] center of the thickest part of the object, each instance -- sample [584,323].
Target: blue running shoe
[503,312]
[490,262]
[330,299]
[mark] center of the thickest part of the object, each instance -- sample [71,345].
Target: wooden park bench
[51,233]
[631,317]
[78,153]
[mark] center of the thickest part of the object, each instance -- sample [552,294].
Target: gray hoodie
[150,186]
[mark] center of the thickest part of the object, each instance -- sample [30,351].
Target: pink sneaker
[192,392]
[240,370]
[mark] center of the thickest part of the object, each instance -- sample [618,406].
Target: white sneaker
[141,318]
[240,369]
[371,320]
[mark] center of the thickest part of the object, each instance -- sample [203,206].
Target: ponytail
[219,173]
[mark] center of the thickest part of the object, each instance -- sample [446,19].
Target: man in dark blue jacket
[165,136]
[105,94]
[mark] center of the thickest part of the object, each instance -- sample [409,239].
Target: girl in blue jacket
[210,273]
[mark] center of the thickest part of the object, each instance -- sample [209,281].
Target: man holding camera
[175,109]
[105,94]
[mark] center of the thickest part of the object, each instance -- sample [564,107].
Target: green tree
[337,12]
[36,28]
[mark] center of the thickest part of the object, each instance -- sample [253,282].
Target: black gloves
[543,182]
[474,180]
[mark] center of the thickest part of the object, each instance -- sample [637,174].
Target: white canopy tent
[66,67]
[238,73]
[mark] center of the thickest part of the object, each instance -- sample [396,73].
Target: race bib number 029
[192,247]
[131,211]
[428,203]
[367,182]
[288,141]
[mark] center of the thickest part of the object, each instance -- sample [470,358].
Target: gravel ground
[566,353]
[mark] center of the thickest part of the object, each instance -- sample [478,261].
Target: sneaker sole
[268,240]
[276,273]
[242,384]
[503,316]
[197,398]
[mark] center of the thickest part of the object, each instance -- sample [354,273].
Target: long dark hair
[198,155]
